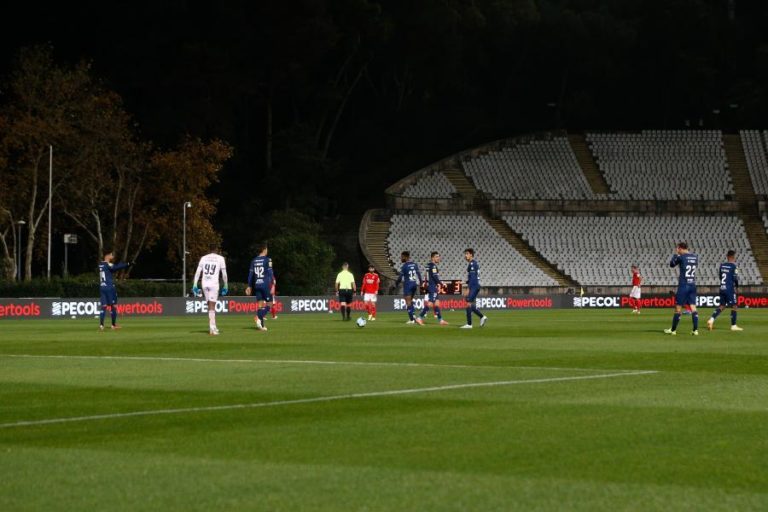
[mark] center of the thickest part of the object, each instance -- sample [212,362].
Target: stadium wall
[53,308]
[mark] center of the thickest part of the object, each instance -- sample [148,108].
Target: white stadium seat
[500,263]
[435,185]
[539,169]
[663,164]
[755,145]
[600,250]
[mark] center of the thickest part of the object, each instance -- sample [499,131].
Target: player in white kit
[210,266]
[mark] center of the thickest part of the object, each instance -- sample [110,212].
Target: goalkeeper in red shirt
[370,291]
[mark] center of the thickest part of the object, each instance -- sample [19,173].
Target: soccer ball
[361,322]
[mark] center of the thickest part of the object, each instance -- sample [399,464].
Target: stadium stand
[756,151]
[663,164]
[600,250]
[578,209]
[434,185]
[529,169]
[500,263]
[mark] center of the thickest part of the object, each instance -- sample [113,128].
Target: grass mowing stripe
[304,361]
[331,398]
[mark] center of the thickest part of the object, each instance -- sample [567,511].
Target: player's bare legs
[212,329]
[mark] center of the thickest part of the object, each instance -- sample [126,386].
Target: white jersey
[210,266]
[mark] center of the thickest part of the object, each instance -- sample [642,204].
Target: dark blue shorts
[409,290]
[264,294]
[728,299]
[432,296]
[472,295]
[686,296]
[108,296]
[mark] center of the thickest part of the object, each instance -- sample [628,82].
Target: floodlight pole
[187,204]
[50,205]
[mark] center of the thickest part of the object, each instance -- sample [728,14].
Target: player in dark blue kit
[686,287]
[729,282]
[433,290]
[473,288]
[260,276]
[410,277]
[107,290]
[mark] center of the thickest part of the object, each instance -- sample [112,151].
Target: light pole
[18,245]
[187,204]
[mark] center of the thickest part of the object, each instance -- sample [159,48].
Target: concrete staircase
[461,182]
[516,241]
[374,231]
[588,165]
[747,200]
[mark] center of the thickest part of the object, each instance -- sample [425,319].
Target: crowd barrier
[53,308]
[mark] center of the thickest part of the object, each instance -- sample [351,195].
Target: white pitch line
[330,398]
[308,362]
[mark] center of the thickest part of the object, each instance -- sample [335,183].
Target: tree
[177,176]
[42,102]
[303,260]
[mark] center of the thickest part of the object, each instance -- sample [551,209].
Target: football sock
[424,311]
[102,314]
[211,318]
[267,309]
[716,313]
[695,317]
[476,311]
[373,310]
[675,321]
[114,315]
[438,312]
[260,313]
[411,309]
[469,315]
[734,314]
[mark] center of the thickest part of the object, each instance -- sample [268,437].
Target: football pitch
[539,410]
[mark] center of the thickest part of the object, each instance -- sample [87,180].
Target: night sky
[417,80]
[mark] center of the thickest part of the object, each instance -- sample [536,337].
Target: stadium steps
[374,230]
[461,182]
[747,200]
[516,241]
[588,164]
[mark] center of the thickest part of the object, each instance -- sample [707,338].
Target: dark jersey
[260,274]
[473,274]
[433,278]
[409,274]
[729,277]
[689,264]
[105,273]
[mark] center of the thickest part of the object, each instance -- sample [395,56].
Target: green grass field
[544,410]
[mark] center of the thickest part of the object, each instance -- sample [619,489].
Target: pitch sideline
[331,398]
[308,362]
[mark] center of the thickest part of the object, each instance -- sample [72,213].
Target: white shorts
[635,293]
[370,297]
[211,294]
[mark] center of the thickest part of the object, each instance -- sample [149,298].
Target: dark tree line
[326,102]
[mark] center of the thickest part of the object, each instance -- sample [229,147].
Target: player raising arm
[433,290]
[410,277]
[686,287]
[729,282]
[370,291]
[210,266]
[107,290]
[260,276]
